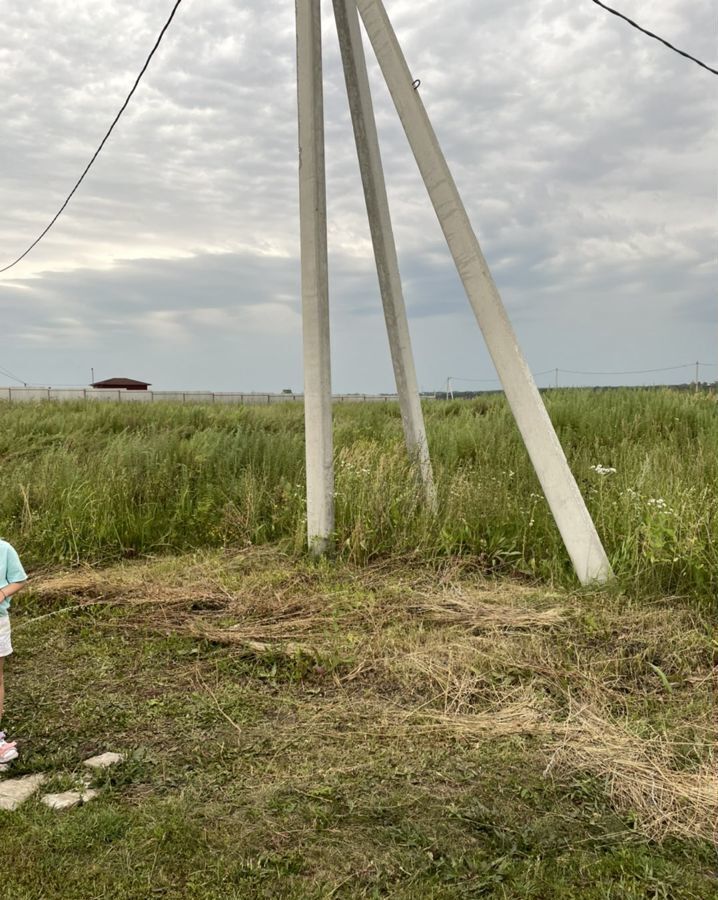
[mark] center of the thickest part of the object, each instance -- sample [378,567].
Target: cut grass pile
[99,482]
[398,730]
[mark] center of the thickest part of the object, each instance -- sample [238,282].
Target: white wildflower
[603,470]
[658,503]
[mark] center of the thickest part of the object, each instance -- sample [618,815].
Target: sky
[583,150]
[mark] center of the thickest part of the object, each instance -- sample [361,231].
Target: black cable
[14,377]
[580,372]
[629,371]
[655,36]
[104,139]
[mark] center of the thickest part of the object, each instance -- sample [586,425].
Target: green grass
[346,757]
[94,483]
[400,722]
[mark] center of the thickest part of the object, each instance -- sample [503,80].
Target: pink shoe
[8,750]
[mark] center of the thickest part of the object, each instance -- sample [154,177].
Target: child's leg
[8,750]
[5,650]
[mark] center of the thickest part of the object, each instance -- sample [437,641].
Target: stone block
[68,799]
[104,760]
[15,791]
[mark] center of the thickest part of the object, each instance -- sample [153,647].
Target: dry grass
[641,775]
[454,655]
[521,716]
[478,611]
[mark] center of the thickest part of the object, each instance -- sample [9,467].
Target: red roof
[128,383]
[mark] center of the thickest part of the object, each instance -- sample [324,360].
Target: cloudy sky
[584,151]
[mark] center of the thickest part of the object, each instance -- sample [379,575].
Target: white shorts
[5,644]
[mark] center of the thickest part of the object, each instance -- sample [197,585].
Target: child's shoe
[8,750]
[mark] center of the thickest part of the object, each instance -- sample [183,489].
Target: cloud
[583,151]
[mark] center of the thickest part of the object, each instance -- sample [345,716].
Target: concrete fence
[38,394]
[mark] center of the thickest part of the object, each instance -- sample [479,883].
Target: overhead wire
[615,12]
[585,372]
[9,374]
[628,371]
[102,143]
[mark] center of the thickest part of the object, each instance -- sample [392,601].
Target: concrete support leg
[315,290]
[387,264]
[559,486]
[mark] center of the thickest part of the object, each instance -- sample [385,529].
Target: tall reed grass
[85,482]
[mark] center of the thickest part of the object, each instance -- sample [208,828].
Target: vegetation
[331,731]
[96,483]
[399,722]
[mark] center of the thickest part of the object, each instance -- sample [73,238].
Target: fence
[28,394]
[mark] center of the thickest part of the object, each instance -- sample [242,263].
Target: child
[12,579]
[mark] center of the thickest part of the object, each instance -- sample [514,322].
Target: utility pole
[562,493]
[315,280]
[697,377]
[382,235]
[556,378]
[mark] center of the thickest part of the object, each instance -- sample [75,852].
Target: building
[126,384]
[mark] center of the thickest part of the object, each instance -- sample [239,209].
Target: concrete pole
[562,494]
[315,283]
[382,235]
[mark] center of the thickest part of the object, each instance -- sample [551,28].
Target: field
[95,484]
[438,712]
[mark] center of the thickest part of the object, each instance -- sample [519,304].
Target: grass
[97,483]
[438,712]
[386,730]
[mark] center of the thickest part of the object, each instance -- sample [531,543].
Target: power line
[102,144]
[9,374]
[629,371]
[583,372]
[615,12]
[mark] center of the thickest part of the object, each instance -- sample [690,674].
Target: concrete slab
[15,791]
[104,760]
[68,799]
